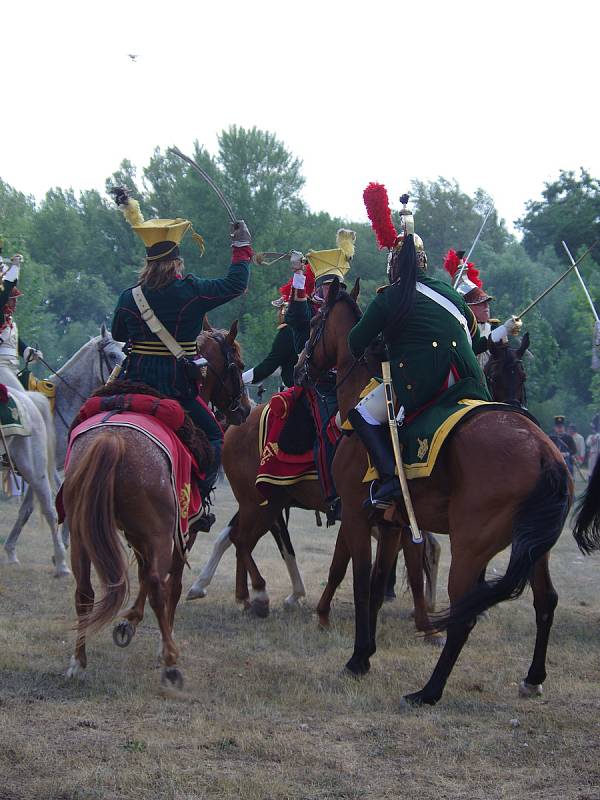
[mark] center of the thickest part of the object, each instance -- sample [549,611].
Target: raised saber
[468,256]
[205,176]
[581,281]
[557,281]
[393,423]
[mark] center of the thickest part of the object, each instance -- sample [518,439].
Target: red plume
[451,263]
[378,210]
[473,275]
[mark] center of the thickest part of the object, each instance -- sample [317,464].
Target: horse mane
[347,298]
[218,335]
[192,437]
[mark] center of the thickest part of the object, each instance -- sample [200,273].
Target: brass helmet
[407,223]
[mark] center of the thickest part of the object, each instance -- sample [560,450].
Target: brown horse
[119,479]
[505,373]
[523,502]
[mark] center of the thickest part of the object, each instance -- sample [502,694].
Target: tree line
[80,254]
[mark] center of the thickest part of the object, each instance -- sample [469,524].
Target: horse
[254,519]
[523,502]
[505,373]
[89,368]
[136,497]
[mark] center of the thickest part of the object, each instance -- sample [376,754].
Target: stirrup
[382,494]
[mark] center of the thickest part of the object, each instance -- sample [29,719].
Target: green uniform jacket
[427,345]
[283,354]
[180,307]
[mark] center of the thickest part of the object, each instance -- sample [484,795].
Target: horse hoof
[75,669]
[416,700]
[123,633]
[528,690]
[435,639]
[11,557]
[196,592]
[171,678]
[291,602]
[324,622]
[62,571]
[357,667]
[259,608]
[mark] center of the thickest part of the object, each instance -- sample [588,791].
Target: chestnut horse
[523,502]
[119,479]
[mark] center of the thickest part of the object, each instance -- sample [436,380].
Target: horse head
[505,373]
[327,345]
[223,386]
[110,355]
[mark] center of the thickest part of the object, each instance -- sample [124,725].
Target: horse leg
[124,631]
[414,558]
[25,511]
[42,489]
[433,552]
[175,586]
[337,570]
[464,573]
[222,543]
[545,600]
[358,536]
[84,602]
[387,552]
[156,575]
[281,534]
[390,584]
[252,524]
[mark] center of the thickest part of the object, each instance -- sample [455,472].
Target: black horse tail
[587,522]
[536,528]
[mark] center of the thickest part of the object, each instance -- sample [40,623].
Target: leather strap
[155,325]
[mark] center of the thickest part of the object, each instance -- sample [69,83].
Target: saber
[391,412]
[268,259]
[468,256]
[583,286]
[224,202]
[558,280]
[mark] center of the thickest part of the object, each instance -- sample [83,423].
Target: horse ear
[355,293]
[206,326]
[334,289]
[524,346]
[233,331]
[103,331]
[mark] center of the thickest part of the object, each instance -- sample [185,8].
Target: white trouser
[373,410]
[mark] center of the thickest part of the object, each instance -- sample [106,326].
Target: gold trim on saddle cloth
[47,388]
[159,349]
[424,469]
[272,450]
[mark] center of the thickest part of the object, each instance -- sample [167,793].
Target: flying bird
[133,56]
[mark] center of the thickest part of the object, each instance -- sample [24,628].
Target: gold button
[434,344]
[453,344]
[409,387]
[401,364]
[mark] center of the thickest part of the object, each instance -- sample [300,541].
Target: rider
[324,266]
[179,302]
[283,355]
[430,332]
[11,345]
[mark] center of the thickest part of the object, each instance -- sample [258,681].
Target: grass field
[266,713]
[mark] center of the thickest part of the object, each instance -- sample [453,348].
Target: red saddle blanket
[277,468]
[183,466]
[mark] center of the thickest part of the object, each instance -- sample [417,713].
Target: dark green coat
[180,306]
[283,354]
[426,345]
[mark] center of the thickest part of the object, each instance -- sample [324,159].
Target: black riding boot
[376,439]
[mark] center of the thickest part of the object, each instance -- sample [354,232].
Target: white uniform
[9,344]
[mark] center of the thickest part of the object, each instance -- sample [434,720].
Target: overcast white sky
[495,94]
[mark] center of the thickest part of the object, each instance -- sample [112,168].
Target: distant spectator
[593,442]
[579,443]
[564,442]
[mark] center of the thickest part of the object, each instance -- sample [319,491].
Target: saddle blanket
[185,490]
[14,416]
[276,467]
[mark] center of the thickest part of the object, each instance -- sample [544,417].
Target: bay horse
[85,371]
[505,373]
[119,479]
[523,502]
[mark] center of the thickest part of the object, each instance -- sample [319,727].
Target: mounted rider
[431,335]
[11,344]
[283,355]
[179,302]
[322,267]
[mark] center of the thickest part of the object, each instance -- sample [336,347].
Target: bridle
[103,360]
[231,372]
[510,376]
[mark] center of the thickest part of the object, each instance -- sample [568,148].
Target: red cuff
[300,294]
[241,254]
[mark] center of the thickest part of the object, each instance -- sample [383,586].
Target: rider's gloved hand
[511,327]
[248,376]
[240,235]
[297,264]
[31,354]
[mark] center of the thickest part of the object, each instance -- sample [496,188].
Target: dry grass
[267,712]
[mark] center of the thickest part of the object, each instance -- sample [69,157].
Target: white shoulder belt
[155,325]
[446,304]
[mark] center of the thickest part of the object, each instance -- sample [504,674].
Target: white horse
[88,369]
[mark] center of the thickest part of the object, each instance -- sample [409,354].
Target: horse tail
[90,502]
[587,522]
[537,525]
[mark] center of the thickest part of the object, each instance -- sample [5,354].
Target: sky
[495,95]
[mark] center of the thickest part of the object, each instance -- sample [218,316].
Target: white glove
[240,235]
[513,326]
[248,376]
[510,328]
[31,354]
[12,273]
[299,280]
[296,259]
